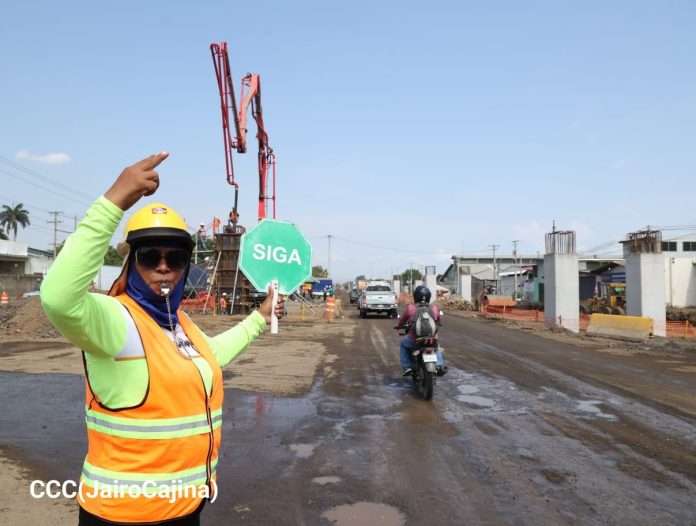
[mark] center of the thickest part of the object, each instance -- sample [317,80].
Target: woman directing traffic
[153,379]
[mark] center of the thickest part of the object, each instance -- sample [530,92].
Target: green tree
[361,277]
[2,234]
[319,272]
[13,217]
[112,258]
[410,274]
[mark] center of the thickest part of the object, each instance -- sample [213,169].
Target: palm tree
[12,217]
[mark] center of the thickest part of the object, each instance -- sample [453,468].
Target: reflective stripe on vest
[169,442]
[148,481]
[152,428]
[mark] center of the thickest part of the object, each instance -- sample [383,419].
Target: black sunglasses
[149,257]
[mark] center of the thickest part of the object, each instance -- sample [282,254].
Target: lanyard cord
[177,341]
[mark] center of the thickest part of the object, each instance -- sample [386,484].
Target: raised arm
[94,322]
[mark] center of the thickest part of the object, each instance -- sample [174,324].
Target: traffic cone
[330,308]
[5,298]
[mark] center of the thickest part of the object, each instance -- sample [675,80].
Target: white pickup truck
[377,296]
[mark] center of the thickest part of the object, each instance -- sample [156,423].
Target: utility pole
[410,266]
[495,269]
[328,270]
[55,223]
[514,262]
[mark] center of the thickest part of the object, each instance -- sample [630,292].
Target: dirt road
[319,428]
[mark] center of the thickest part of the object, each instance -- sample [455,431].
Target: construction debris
[454,302]
[25,319]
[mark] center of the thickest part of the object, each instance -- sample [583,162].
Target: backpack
[424,324]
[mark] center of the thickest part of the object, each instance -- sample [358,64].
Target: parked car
[353,295]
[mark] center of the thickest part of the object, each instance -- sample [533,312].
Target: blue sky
[425,128]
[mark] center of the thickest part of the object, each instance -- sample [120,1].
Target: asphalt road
[523,430]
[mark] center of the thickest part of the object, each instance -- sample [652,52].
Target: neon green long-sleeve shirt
[101,327]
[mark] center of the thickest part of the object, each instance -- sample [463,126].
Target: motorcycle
[424,370]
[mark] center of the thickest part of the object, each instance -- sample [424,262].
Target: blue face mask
[154,304]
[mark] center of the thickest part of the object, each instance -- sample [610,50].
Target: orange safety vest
[167,446]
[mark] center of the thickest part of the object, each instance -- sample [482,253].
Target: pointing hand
[136,181]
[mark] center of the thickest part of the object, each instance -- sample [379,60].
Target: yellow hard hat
[157,221]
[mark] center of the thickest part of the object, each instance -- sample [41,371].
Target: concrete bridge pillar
[645,278]
[431,282]
[464,285]
[561,282]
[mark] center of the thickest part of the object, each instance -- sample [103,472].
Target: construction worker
[154,381]
[201,235]
[223,303]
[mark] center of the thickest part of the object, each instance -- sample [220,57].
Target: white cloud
[49,158]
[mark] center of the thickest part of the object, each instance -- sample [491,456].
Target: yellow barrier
[636,328]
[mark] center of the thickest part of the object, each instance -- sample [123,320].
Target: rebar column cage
[643,242]
[558,242]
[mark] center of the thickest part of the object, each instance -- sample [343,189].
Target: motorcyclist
[421,294]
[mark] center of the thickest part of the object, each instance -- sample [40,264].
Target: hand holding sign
[275,250]
[272,309]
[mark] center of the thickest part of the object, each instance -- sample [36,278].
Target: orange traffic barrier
[675,329]
[5,298]
[680,329]
[330,308]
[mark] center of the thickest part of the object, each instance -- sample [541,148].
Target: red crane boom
[250,96]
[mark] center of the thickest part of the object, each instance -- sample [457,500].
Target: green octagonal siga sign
[275,249]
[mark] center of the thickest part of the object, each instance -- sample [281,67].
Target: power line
[42,229]
[382,247]
[44,188]
[31,206]
[44,178]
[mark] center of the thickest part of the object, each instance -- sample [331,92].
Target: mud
[320,428]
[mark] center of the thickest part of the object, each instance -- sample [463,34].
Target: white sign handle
[274,318]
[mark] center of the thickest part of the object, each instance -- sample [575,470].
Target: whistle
[164,289]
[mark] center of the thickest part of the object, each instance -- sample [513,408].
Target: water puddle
[326,480]
[478,401]
[590,406]
[303,450]
[467,389]
[362,513]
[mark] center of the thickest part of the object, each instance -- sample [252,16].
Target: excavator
[611,301]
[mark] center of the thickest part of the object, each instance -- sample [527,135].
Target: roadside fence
[675,329]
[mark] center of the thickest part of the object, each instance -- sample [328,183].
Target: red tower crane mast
[250,96]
